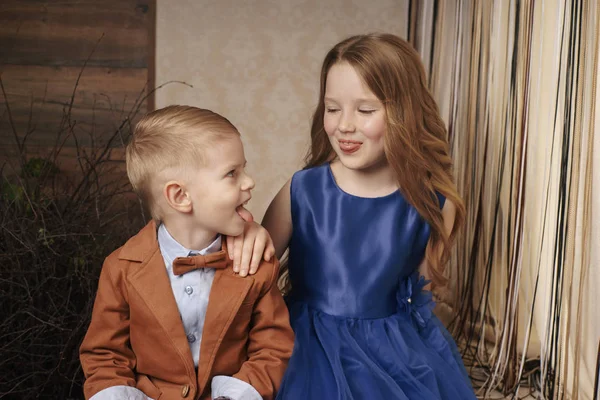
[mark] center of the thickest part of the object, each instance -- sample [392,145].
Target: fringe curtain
[516,84]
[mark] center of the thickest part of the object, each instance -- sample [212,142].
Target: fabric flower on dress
[414,300]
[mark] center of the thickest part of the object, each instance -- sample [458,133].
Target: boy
[171,319]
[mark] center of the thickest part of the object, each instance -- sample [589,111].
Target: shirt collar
[173,249]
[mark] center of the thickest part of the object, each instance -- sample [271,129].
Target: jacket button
[185,390]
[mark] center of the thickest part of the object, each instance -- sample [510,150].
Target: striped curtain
[516,82]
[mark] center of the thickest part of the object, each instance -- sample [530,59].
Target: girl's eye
[331,110]
[366,111]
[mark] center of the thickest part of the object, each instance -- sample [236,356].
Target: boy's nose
[248,183]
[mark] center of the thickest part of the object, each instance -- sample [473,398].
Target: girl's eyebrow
[361,100]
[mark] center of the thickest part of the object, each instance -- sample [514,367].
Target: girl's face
[354,119]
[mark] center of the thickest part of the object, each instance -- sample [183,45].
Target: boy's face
[221,187]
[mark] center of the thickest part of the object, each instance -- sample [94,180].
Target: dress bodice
[348,253]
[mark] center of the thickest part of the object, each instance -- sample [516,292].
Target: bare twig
[18,141]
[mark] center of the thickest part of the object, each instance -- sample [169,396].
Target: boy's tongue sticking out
[245,214]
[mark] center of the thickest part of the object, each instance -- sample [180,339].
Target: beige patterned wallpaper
[257,63]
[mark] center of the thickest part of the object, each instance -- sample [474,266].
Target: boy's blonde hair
[171,138]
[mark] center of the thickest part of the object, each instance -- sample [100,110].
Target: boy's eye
[231,173]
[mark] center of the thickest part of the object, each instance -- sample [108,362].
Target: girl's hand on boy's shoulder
[248,249]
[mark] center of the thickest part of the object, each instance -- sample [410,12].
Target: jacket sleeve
[270,341]
[105,353]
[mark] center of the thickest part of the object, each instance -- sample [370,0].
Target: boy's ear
[177,197]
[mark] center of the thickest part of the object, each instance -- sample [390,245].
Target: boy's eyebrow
[236,165]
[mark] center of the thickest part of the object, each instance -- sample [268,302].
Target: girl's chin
[363,165]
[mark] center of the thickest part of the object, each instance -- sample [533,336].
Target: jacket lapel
[226,296]
[151,282]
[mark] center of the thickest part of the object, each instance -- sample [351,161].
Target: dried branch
[55,231]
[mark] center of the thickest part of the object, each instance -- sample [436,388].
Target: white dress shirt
[191,291]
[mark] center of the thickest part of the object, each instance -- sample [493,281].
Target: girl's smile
[349,146]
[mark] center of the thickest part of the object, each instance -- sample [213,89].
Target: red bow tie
[218,260]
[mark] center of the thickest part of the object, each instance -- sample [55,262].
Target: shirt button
[191,338]
[189,289]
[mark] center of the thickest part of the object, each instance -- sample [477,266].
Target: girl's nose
[346,124]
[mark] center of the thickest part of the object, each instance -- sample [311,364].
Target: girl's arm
[448,215]
[278,220]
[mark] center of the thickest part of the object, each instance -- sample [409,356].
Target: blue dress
[364,329]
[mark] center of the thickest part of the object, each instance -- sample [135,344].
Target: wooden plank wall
[44,46]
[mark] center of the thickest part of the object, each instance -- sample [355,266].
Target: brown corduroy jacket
[136,337]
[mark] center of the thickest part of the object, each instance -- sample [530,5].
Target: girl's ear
[177,197]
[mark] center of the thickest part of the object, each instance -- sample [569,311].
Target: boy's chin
[234,229]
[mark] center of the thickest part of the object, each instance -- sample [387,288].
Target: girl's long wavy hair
[415,142]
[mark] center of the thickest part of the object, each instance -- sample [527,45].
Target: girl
[373,210]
